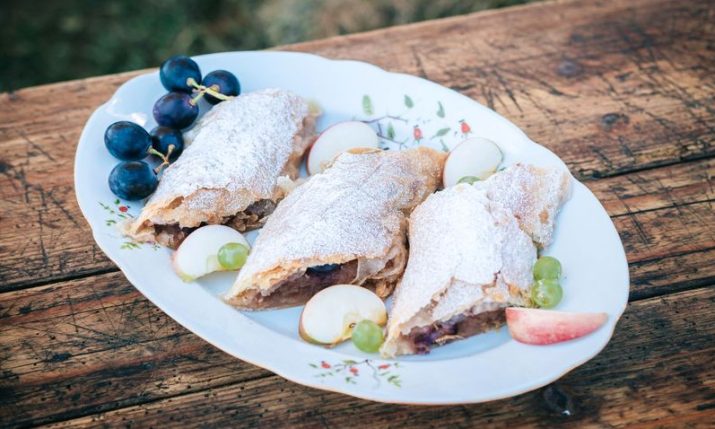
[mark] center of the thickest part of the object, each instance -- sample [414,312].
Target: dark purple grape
[175,110]
[175,72]
[163,137]
[324,268]
[127,141]
[132,180]
[222,81]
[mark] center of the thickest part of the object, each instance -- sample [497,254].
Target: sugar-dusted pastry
[472,251]
[240,154]
[534,194]
[468,260]
[345,225]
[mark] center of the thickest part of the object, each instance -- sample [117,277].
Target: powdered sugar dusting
[533,194]
[460,244]
[471,247]
[518,254]
[355,209]
[243,143]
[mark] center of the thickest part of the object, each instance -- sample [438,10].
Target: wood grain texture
[672,186]
[44,236]
[676,273]
[622,91]
[638,379]
[94,344]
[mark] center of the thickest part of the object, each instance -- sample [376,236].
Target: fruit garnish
[168,142]
[547,267]
[200,253]
[546,293]
[330,315]
[132,180]
[175,110]
[541,327]
[179,73]
[476,157]
[337,139]
[232,256]
[221,82]
[127,141]
[368,336]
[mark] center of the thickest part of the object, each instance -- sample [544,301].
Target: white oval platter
[406,111]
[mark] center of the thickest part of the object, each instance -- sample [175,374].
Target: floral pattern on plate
[119,212]
[357,371]
[409,129]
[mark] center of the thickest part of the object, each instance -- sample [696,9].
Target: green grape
[367,336]
[232,256]
[546,293]
[468,179]
[547,267]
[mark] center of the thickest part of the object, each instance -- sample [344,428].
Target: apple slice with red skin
[336,139]
[541,327]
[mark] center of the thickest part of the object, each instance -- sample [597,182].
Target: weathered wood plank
[666,232]
[681,272]
[610,86]
[672,186]
[664,377]
[96,344]
[44,235]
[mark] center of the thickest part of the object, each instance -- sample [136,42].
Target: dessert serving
[231,171]
[360,231]
[471,257]
[468,261]
[345,225]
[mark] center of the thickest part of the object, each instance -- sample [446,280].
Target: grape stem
[164,158]
[210,90]
[192,82]
[196,99]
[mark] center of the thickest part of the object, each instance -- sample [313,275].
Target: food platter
[406,111]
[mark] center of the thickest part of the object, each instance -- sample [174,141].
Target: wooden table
[623,92]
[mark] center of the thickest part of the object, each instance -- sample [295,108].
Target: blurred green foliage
[54,40]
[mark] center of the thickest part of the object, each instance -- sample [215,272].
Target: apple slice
[330,315]
[476,157]
[337,139]
[197,255]
[536,326]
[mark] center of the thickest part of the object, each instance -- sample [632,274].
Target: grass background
[44,41]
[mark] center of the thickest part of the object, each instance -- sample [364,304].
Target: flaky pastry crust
[237,154]
[355,210]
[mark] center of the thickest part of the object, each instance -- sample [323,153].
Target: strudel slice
[240,160]
[346,225]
